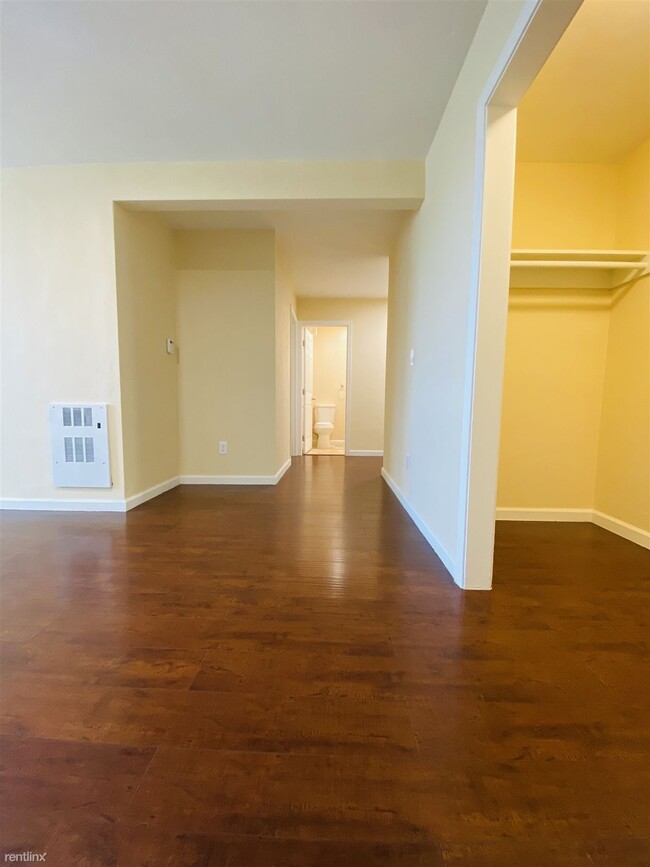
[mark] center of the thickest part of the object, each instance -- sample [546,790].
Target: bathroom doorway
[324,394]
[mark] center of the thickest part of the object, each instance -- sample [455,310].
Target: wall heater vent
[79,437]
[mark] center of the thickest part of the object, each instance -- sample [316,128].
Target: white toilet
[324,427]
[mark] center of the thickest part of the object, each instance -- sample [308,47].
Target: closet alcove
[575,439]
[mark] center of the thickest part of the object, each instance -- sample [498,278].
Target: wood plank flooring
[287,677]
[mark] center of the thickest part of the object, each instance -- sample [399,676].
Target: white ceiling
[327,253]
[172,81]
[591,101]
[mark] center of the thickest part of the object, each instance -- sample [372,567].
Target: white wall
[429,311]
[367,364]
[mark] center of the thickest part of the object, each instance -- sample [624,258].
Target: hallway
[287,677]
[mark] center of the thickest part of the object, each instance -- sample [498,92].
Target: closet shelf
[575,269]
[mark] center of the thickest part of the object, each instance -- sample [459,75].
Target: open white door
[307,389]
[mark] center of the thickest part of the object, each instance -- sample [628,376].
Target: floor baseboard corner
[447,560]
[283,469]
[150,493]
[621,528]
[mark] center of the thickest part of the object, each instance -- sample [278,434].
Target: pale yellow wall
[146,306]
[576,409]
[565,206]
[633,201]
[623,480]
[226,337]
[430,286]
[583,206]
[367,364]
[59,320]
[59,338]
[224,250]
[557,343]
[285,302]
[553,386]
[330,361]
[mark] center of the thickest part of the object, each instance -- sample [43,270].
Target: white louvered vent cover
[79,437]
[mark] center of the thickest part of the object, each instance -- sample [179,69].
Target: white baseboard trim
[591,516]
[627,531]
[285,466]
[228,480]
[432,539]
[37,504]
[574,515]
[365,453]
[237,480]
[44,505]
[150,493]
[88,505]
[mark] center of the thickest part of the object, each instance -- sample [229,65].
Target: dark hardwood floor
[287,677]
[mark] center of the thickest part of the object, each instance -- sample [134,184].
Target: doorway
[556,248]
[578,335]
[324,404]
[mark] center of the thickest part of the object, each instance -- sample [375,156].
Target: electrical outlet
[223,447]
[408,461]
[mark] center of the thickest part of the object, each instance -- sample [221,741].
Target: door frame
[539,27]
[307,409]
[297,357]
[294,388]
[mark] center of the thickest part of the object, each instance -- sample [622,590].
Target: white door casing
[308,389]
